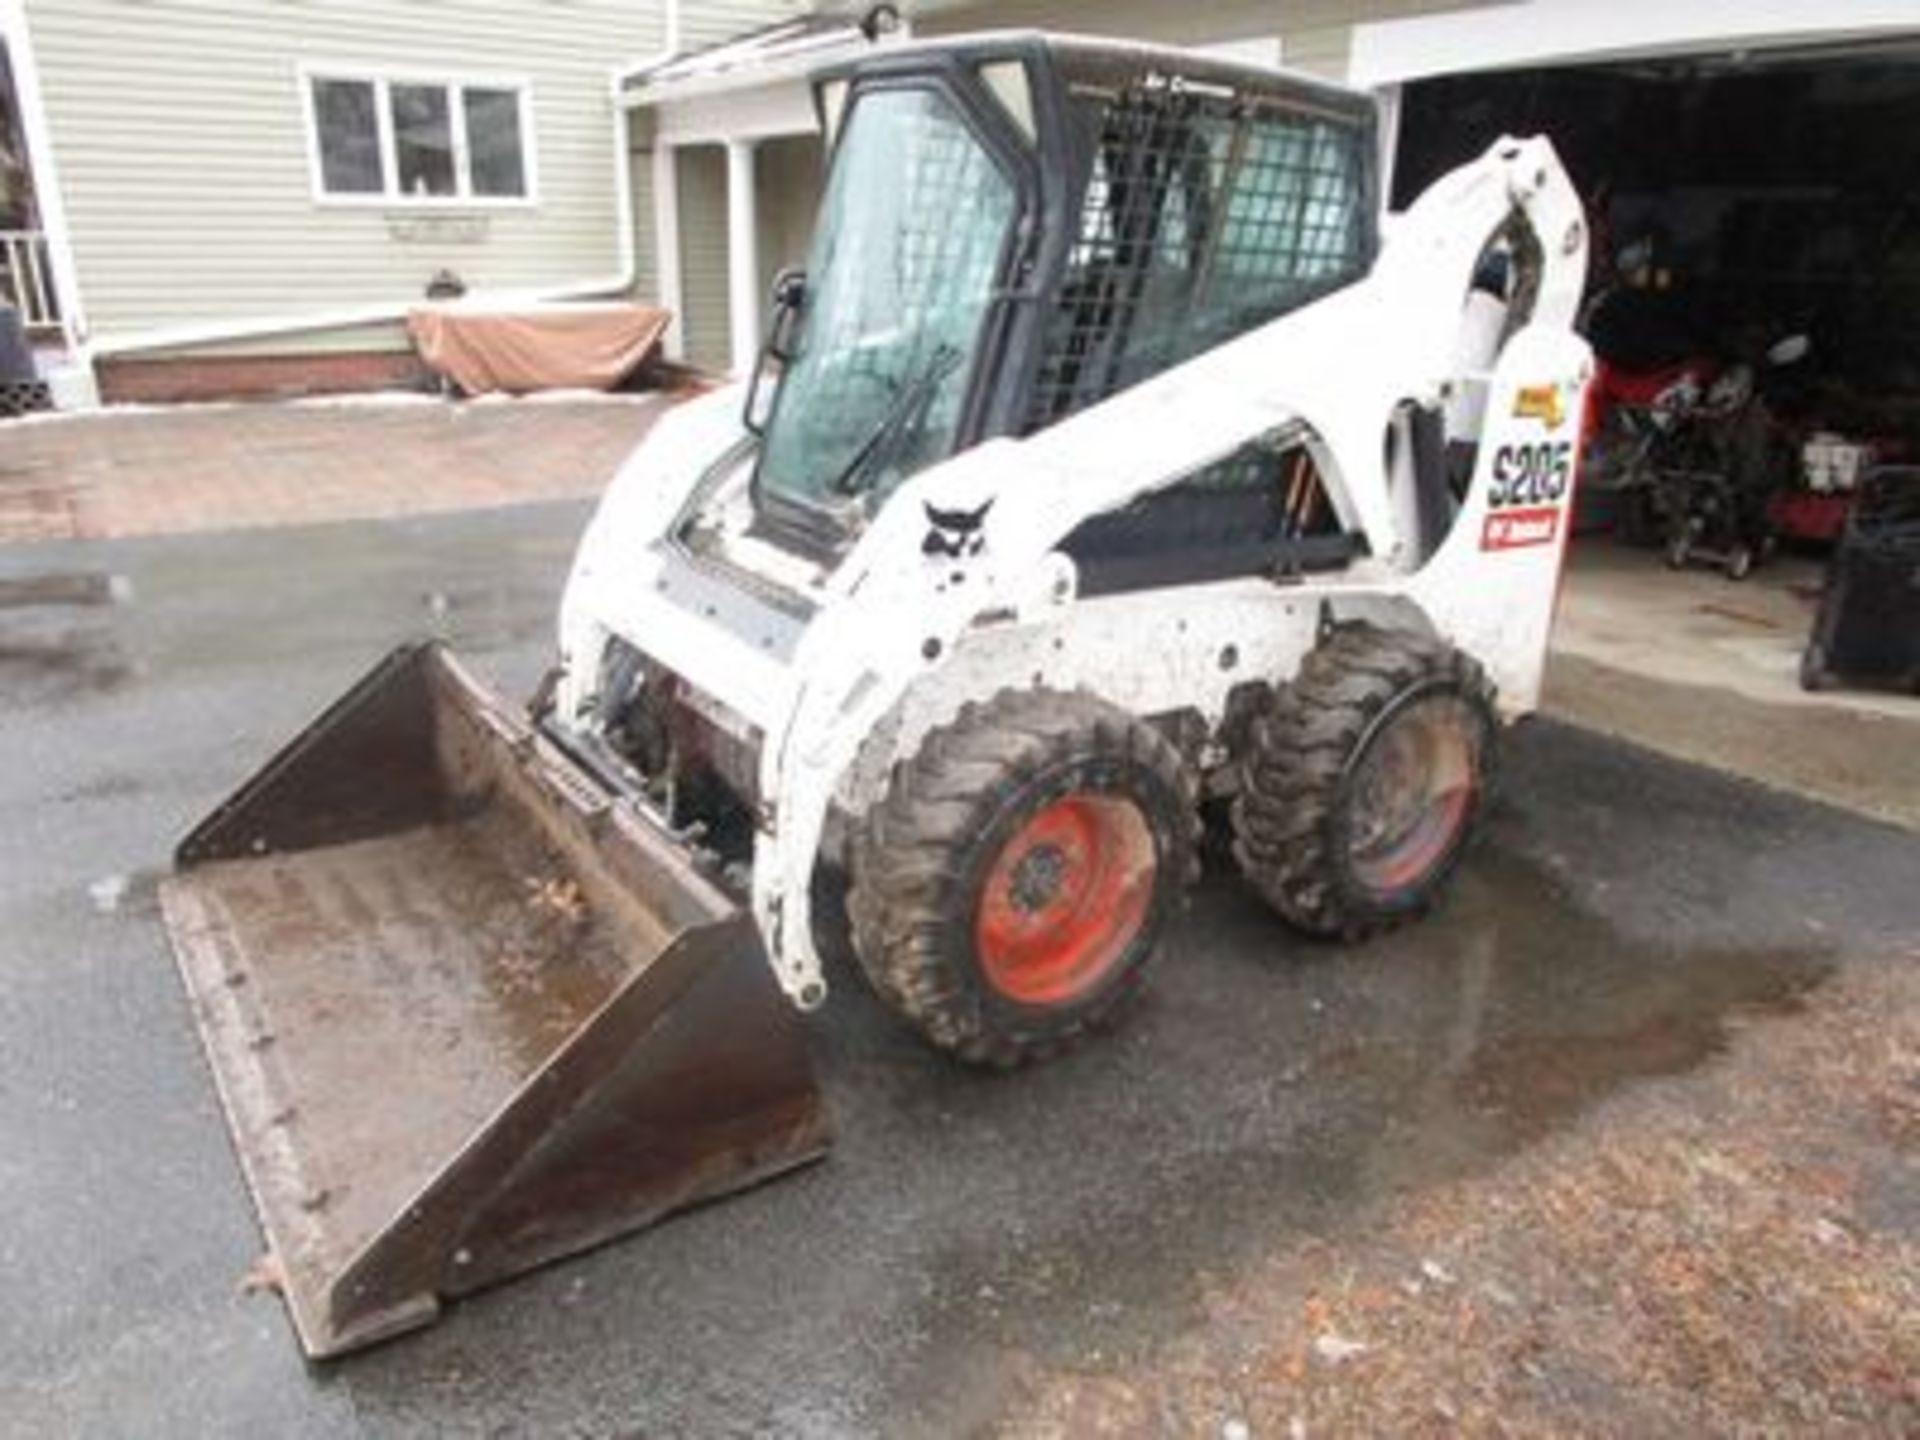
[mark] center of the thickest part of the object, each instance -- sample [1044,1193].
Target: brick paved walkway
[236,467]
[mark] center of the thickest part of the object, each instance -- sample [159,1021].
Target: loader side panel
[1492,586]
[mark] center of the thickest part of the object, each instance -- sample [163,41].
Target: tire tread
[1296,759]
[908,857]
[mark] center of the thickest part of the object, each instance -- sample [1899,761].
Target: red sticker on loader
[1513,529]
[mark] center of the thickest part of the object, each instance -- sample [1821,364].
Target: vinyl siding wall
[787,179]
[707,22]
[180,132]
[701,171]
[646,248]
[1315,35]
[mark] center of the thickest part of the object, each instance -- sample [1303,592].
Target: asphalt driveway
[978,1250]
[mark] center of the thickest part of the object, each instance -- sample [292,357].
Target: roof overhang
[1530,34]
[781,53]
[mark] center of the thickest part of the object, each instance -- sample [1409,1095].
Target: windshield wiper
[903,420]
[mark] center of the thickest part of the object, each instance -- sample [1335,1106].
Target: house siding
[179,129]
[707,22]
[646,246]
[787,180]
[701,173]
[1315,35]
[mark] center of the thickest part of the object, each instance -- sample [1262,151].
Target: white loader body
[835,673]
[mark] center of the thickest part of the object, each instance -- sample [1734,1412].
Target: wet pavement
[1626,923]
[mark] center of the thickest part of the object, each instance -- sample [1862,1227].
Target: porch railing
[26,278]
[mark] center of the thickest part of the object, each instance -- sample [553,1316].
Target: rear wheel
[1013,882]
[1363,782]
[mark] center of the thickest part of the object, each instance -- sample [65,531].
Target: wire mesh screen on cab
[1204,214]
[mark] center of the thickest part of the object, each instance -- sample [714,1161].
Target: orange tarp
[547,347]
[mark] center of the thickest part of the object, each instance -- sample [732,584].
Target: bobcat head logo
[955,534]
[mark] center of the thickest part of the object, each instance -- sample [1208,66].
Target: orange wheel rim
[1065,899]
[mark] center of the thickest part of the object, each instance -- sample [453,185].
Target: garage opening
[1754,299]
[1761,196]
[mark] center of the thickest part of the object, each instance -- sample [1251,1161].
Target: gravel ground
[1738,1252]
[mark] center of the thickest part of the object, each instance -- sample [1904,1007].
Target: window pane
[493,143]
[349,131]
[422,139]
[901,273]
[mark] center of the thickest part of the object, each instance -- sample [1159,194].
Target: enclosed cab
[1014,230]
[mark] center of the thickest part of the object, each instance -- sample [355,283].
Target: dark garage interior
[1754,300]
[1783,194]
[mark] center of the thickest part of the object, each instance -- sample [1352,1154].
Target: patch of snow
[1338,1349]
[107,893]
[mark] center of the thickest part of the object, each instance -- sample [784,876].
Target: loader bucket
[468,1011]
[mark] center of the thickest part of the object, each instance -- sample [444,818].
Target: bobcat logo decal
[955,534]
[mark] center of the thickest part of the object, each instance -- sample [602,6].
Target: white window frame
[383,78]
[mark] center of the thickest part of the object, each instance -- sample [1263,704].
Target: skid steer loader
[1107,462]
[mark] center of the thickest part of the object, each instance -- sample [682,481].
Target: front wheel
[1363,782]
[1011,886]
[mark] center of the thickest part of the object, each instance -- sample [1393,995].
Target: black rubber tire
[1293,817]
[923,852]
